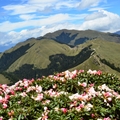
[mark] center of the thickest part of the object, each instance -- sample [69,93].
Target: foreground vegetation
[76,95]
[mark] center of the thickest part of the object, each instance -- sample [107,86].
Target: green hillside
[75,37]
[39,57]
[3,79]
[103,50]
[39,54]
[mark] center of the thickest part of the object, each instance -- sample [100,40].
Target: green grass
[3,80]
[105,50]
[40,51]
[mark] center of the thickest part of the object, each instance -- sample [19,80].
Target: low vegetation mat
[76,95]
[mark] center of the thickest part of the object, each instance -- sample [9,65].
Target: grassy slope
[87,34]
[3,80]
[39,53]
[105,50]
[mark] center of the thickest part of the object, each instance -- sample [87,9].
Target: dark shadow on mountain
[81,40]
[111,65]
[114,34]
[8,58]
[59,63]
[65,37]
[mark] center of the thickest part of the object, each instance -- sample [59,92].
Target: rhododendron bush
[76,95]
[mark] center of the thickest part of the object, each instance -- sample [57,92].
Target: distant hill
[75,37]
[60,51]
[118,32]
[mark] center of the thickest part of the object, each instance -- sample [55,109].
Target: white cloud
[61,21]
[106,21]
[67,4]
[57,18]
[15,37]
[98,8]
[95,15]
[23,9]
[59,14]
[89,3]
[28,16]
[33,6]
[4,38]
[41,1]
[30,7]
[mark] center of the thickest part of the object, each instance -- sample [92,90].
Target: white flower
[88,107]
[92,92]
[38,89]
[104,87]
[109,99]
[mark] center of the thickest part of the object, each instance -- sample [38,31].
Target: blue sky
[22,19]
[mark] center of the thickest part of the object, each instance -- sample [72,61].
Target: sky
[23,19]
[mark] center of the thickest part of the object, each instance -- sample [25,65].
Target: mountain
[60,51]
[118,32]
[75,37]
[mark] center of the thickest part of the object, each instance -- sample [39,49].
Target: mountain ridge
[117,32]
[45,55]
[75,37]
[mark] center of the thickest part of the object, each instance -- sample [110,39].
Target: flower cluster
[67,95]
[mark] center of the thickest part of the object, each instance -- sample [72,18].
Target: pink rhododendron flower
[81,105]
[84,84]
[73,104]
[45,117]
[1,99]
[75,72]
[64,110]
[12,92]
[81,71]
[78,108]
[107,118]
[39,97]
[52,93]
[83,101]
[118,97]
[91,91]
[45,102]
[62,79]
[11,113]
[99,72]
[23,94]
[5,105]
[38,89]
[94,72]
[1,118]
[4,86]
[93,115]
[107,94]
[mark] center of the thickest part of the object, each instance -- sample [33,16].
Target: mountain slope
[118,32]
[105,57]
[39,53]
[38,57]
[75,37]
[35,58]
[4,80]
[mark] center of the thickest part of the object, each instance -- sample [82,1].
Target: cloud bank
[34,18]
